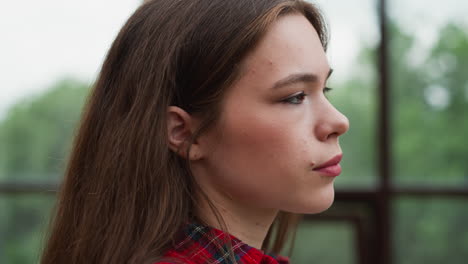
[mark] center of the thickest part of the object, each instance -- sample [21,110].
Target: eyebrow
[298,78]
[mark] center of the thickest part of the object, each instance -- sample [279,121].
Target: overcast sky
[44,41]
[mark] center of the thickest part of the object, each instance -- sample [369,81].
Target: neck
[248,224]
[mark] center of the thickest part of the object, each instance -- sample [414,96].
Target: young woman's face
[277,126]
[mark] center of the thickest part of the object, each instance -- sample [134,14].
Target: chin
[317,203]
[323,206]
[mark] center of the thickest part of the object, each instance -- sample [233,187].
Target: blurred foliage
[316,242]
[430,109]
[430,231]
[429,104]
[36,133]
[35,138]
[23,221]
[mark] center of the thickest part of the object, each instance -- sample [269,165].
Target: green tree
[431,104]
[36,133]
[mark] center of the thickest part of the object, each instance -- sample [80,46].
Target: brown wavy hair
[125,194]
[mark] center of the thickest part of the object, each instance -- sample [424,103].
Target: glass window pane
[319,242]
[430,231]
[429,58]
[352,56]
[23,221]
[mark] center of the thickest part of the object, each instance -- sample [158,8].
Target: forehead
[291,45]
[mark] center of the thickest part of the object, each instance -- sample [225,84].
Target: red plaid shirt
[199,244]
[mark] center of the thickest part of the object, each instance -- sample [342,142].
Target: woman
[206,135]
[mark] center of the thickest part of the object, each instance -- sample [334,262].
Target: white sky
[43,41]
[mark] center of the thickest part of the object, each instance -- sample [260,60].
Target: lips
[330,168]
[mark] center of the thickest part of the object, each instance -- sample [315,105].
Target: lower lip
[331,171]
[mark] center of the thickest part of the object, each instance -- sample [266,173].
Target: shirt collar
[206,244]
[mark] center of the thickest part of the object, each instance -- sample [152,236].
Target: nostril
[333,135]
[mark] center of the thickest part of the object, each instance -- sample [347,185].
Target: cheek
[258,157]
[262,139]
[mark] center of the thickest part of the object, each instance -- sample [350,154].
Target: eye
[295,99]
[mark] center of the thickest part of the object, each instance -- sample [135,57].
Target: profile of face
[276,126]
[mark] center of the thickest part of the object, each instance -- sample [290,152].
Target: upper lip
[333,161]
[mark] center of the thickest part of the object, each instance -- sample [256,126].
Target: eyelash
[302,95]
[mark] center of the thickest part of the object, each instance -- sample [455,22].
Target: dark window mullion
[28,187]
[383,223]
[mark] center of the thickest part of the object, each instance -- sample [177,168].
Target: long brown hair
[125,194]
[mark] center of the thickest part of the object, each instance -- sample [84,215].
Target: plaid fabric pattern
[199,244]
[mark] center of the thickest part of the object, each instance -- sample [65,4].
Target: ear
[180,129]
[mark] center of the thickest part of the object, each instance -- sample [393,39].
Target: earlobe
[180,129]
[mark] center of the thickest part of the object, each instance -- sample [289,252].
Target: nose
[331,123]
